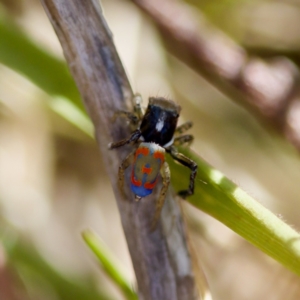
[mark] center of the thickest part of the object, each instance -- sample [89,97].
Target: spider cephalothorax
[160,121]
[156,133]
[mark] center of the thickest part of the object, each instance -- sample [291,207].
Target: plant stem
[161,259]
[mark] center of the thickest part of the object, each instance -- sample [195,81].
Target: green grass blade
[19,53]
[221,198]
[108,263]
[36,273]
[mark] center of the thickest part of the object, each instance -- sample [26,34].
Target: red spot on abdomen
[146,170]
[150,186]
[135,182]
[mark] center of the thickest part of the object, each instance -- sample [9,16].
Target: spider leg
[124,165]
[133,138]
[133,119]
[165,173]
[185,140]
[183,127]
[188,163]
[137,99]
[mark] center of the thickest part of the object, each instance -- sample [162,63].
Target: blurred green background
[52,180]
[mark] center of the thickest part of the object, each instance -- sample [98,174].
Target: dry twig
[161,258]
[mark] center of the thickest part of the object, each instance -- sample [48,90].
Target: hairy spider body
[159,122]
[156,134]
[148,160]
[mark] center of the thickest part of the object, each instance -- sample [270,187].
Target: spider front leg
[124,165]
[133,117]
[165,173]
[133,138]
[191,165]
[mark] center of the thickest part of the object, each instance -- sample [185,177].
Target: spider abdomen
[148,160]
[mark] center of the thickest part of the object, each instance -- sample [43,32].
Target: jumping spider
[156,133]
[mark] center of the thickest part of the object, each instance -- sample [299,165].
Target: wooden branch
[270,89]
[161,258]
